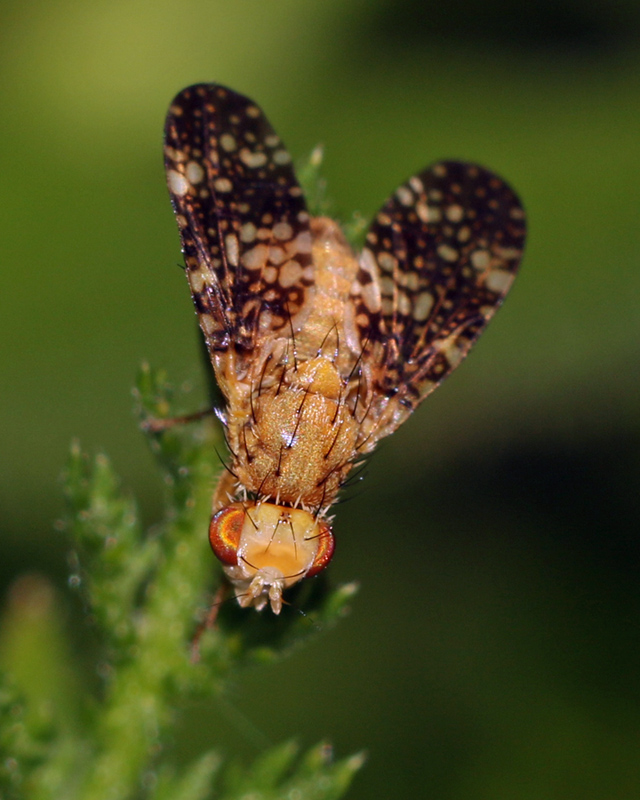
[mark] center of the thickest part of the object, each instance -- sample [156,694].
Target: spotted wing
[439,259]
[242,217]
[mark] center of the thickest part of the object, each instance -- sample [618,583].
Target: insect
[319,352]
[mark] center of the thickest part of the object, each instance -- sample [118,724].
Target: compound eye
[326,547]
[224,533]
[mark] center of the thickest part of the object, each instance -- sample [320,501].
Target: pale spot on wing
[387,285]
[301,244]
[386,305]
[422,306]
[387,261]
[304,242]
[422,210]
[228,142]
[289,274]
[409,280]
[283,231]
[253,159]
[404,304]
[451,351]
[371,297]
[194,172]
[508,253]
[209,324]
[196,281]
[454,213]
[174,155]
[255,258]
[232,249]
[480,259]
[370,266]
[448,253]
[499,280]
[222,185]
[178,184]
[276,255]
[405,196]
[248,232]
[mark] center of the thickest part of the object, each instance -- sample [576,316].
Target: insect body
[319,353]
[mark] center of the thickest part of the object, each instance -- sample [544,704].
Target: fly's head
[266,548]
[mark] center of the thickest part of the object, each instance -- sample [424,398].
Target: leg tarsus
[157,424]
[209,621]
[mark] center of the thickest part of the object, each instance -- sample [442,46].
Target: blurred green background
[494,650]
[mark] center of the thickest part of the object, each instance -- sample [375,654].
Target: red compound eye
[326,546]
[224,533]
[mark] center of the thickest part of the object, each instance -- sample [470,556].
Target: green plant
[142,592]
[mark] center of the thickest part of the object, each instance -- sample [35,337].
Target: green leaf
[112,560]
[23,743]
[194,783]
[280,775]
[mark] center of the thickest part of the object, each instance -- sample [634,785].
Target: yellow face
[265,548]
